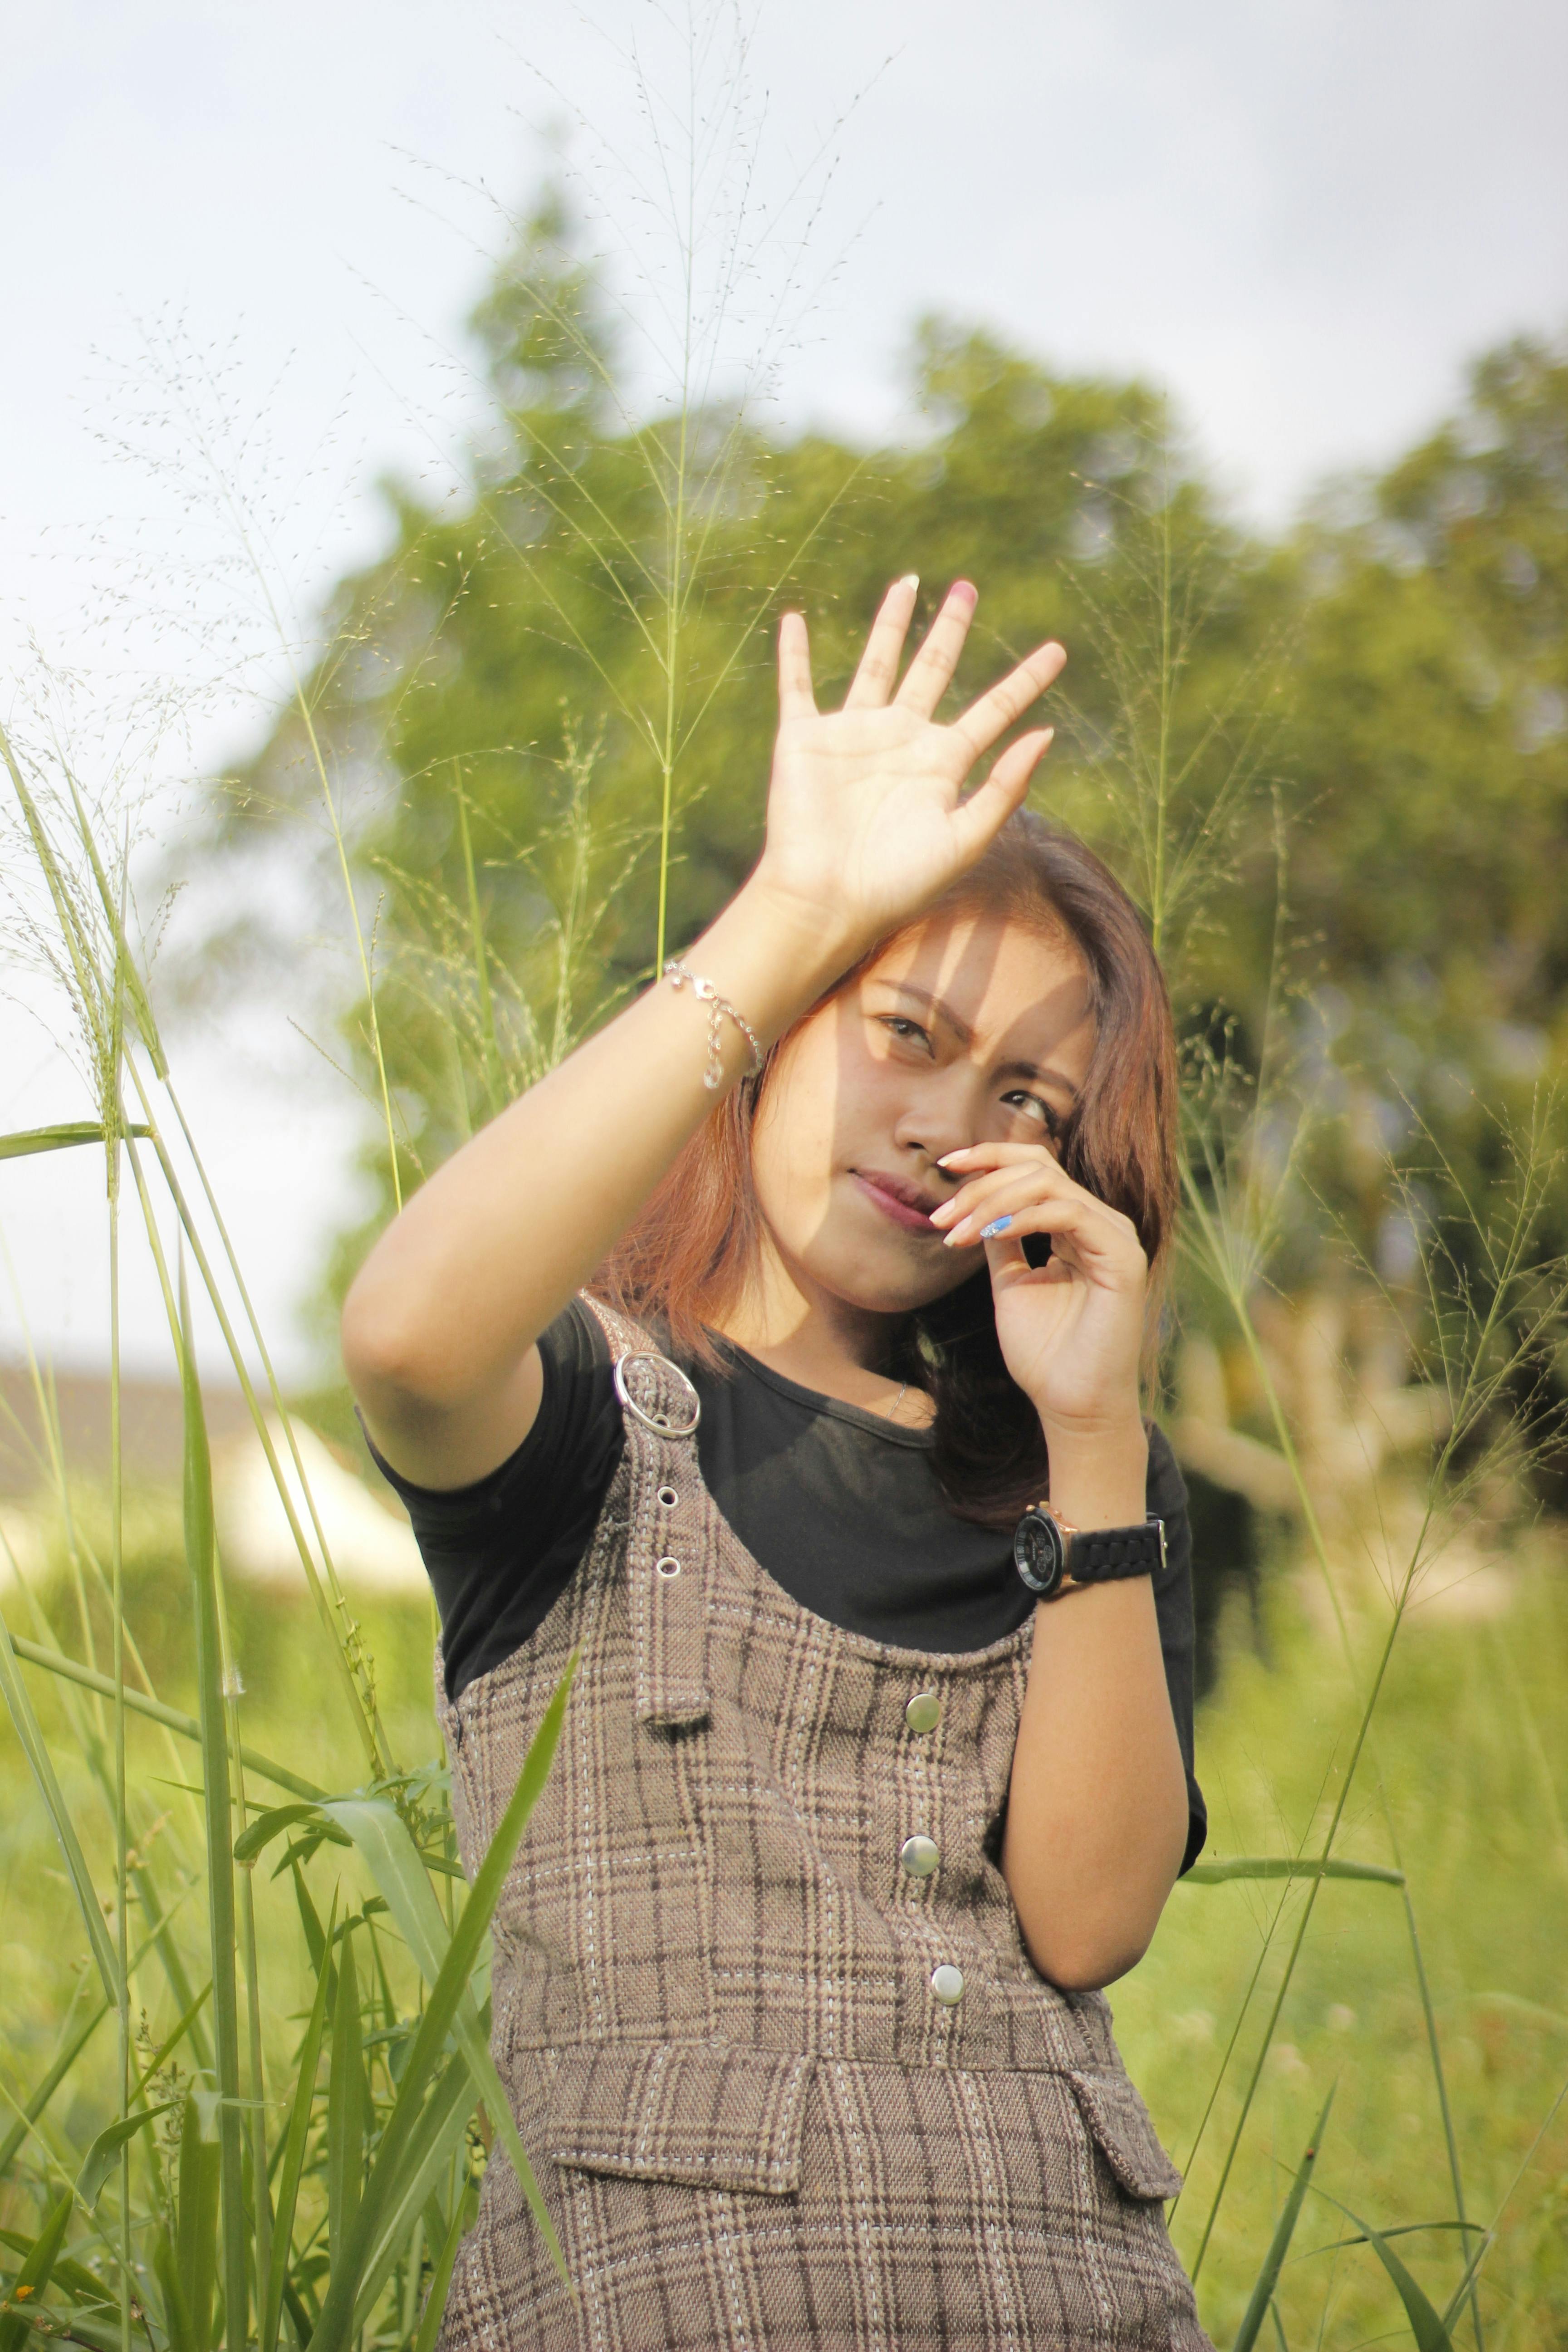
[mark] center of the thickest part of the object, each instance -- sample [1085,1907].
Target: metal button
[924,1712]
[920,1856]
[947,1983]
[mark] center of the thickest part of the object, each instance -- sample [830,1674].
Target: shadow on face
[969,1028]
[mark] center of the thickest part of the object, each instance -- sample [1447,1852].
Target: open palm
[866,821]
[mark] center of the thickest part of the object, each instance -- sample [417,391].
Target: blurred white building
[371,1543]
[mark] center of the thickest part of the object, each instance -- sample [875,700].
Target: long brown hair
[685,1260]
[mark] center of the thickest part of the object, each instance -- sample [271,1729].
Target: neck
[811,1334]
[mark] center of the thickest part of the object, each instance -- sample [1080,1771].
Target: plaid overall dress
[782,2089]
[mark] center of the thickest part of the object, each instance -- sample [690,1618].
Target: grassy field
[1469,1755]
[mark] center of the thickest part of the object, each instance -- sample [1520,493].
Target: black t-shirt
[839,1506]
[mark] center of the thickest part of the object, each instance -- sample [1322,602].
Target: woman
[780,1352]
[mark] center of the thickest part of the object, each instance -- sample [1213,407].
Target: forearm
[485,1254]
[1097,1812]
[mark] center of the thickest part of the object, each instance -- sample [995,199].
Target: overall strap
[671,1529]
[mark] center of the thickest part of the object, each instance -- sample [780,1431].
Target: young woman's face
[965,1030]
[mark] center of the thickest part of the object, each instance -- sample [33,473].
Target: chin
[882,1281]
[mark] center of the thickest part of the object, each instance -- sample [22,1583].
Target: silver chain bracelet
[719,1010]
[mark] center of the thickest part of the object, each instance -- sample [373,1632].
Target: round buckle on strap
[663,1425]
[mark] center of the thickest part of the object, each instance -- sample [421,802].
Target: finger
[1006,1204]
[977,821]
[874,681]
[1032,1173]
[971,1158]
[1008,1188]
[795,696]
[1011,695]
[1099,1251]
[929,674]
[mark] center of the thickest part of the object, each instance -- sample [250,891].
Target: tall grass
[290,2150]
[1484,1329]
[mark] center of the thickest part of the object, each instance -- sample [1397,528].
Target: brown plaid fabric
[713,2000]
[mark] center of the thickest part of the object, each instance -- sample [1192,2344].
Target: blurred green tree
[1334,770]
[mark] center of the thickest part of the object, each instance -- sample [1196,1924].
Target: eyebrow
[942,1011]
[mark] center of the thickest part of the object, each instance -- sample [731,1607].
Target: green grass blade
[382,1837]
[345,2104]
[266,1826]
[103,2156]
[196,2222]
[64,1137]
[49,2085]
[201,1556]
[1400,2229]
[1279,2244]
[335,2325]
[1428,2330]
[33,2277]
[80,2283]
[442,2130]
[176,2318]
[362,1714]
[55,1662]
[294,2147]
[34,1746]
[440,2282]
[1268,1865]
[81,2327]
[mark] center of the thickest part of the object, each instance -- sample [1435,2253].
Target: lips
[903,1203]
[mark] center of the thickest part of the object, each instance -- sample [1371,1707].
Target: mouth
[905,1204]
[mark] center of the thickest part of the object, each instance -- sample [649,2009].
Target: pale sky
[1300,216]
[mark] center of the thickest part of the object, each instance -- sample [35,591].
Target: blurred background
[1302,226]
[381,386]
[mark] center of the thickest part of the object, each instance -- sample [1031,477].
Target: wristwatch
[1053,1557]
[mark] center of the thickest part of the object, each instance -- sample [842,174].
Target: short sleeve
[1167,1500]
[500,1552]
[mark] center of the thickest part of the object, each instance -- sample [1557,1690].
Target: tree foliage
[1334,769]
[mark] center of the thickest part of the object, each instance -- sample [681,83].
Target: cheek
[792,1149]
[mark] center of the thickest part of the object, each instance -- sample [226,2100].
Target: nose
[932,1127]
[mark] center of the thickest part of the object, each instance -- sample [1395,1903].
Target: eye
[1034,1108]
[908,1033]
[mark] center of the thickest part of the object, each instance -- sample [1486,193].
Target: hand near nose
[867,823]
[1072,1330]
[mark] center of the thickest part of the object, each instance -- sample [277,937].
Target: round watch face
[1039,1554]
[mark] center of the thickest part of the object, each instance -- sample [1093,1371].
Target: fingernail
[966,588]
[910,580]
[997,1225]
[948,1156]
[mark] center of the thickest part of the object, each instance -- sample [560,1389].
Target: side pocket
[706,2114]
[1124,2133]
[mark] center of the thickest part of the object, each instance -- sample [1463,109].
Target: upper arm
[442,1446]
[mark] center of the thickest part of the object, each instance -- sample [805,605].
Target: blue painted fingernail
[997,1225]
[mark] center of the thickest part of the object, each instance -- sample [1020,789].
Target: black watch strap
[1099,1555]
[1053,1559]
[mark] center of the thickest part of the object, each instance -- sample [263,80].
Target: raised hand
[866,821]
